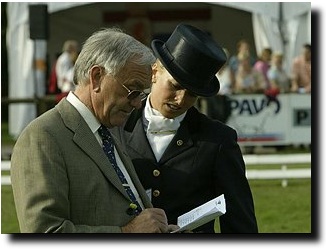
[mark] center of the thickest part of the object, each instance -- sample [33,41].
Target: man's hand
[150,220]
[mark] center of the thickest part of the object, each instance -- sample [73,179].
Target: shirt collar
[87,115]
[154,121]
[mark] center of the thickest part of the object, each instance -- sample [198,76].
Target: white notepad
[202,214]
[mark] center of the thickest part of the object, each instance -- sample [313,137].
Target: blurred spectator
[65,64]
[247,79]
[53,80]
[263,64]
[243,46]
[301,71]
[279,80]
[224,76]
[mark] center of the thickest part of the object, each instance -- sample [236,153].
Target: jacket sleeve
[230,172]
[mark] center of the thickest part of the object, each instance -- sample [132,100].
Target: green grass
[9,222]
[282,210]
[278,209]
[277,166]
[6,139]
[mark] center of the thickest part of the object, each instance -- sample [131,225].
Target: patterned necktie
[108,147]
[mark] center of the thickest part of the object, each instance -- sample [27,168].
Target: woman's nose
[180,96]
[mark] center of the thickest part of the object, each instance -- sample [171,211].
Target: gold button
[179,142]
[156,193]
[156,172]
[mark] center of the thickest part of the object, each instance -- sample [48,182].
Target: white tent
[24,82]
[282,26]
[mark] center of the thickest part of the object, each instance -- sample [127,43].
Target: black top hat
[193,58]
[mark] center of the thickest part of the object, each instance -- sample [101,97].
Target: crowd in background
[243,73]
[265,74]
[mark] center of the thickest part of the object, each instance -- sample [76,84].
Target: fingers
[151,220]
[155,219]
[156,213]
[172,228]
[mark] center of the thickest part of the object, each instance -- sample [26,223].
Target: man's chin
[120,121]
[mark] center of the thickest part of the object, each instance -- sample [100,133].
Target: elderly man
[68,173]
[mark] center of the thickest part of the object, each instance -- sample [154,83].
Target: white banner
[281,121]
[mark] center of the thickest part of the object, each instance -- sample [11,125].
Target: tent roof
[271,9]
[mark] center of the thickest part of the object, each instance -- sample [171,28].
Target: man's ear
[95,74]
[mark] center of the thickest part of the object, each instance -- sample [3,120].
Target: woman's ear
[154,72]
[95,74]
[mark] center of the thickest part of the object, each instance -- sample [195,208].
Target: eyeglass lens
[135,94]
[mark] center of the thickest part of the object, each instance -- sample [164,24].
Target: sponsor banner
[260,120]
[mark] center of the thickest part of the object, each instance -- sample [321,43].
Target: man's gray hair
[110,48]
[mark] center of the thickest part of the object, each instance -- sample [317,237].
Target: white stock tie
[160,130]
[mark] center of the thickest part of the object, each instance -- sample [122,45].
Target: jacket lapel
[137,141]
[86,140]
[89,144]
[181,142]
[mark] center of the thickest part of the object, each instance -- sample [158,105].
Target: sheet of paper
[202,214]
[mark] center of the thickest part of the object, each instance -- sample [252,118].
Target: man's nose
[136,103]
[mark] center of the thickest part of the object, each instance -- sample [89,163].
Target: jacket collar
[85,139]
[191,118]
[182,141]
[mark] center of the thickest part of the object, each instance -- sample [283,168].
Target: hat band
[167,54]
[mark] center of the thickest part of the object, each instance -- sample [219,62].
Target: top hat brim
[182,77]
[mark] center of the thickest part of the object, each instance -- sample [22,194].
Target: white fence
[277,159]
[5,166]
[283,173]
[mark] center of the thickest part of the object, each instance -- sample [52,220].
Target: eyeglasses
[133,94]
